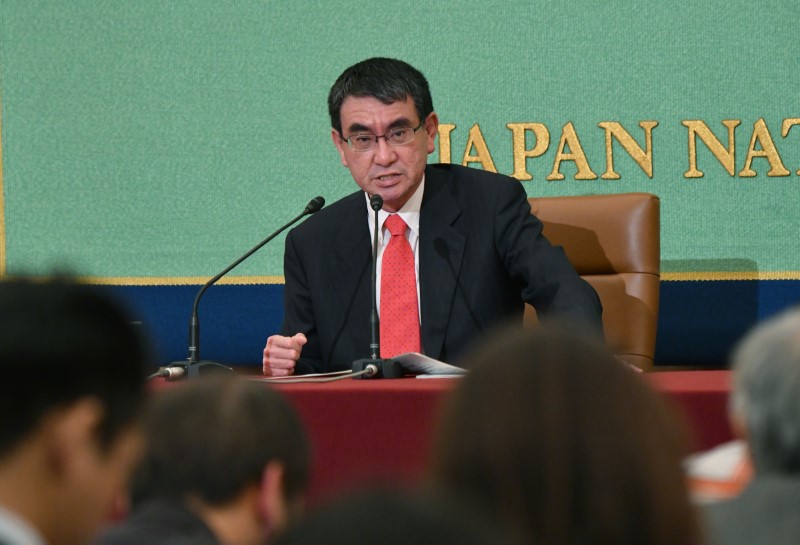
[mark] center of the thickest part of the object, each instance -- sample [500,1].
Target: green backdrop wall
[147,144]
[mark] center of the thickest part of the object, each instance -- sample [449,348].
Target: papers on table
[425,366]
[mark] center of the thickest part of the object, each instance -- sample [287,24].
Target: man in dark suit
[478,253]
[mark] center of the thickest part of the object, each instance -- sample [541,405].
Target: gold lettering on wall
[483,156]
[788,123]
[768,151]
[521,152]
[531,140]
[444,142]
[570,138]
[643,158]
[726,157]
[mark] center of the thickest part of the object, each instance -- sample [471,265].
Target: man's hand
[281,354]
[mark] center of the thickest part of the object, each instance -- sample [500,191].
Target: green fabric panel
[152,138]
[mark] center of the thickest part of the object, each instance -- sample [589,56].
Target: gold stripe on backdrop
[179,280]
[738,275]
[272,280]
[708,276]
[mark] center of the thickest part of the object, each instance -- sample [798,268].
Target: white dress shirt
[410,214]
[15,530]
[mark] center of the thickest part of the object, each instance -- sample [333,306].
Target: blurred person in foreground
[765,411]
[72,370]
[561,443]
[390,517]
[226,462]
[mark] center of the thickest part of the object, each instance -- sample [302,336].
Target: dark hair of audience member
[390,517]
[214,439]
[562,443]
[43,365]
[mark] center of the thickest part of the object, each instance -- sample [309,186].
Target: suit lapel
[441,249]
[350,267]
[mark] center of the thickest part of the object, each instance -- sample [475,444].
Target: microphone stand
[194,366]
[375,366]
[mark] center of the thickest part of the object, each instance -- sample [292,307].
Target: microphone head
[314,205]
[376,202]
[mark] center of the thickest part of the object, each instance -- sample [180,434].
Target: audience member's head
[231,451]
[765,400]
[390,518]
[72,371]
[562,443]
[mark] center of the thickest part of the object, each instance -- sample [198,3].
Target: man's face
[393,172]
[94,480]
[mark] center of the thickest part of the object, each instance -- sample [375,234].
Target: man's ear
[432,130]
[738,425]
[272,505]
[71,434]
[340,145]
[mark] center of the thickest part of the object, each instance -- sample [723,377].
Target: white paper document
[420,363]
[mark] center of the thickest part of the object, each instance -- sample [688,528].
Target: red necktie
[399,307]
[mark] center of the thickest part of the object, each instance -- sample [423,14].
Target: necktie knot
[396,225]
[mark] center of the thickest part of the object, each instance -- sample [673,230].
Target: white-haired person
[765,411]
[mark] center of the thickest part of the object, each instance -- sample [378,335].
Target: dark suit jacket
[159,522]
[767,511]
[481,257]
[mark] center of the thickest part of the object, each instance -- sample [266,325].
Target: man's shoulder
[159,521]
[472,187]
[449,173]
[345,205]
[329,219]
[462,180]
[759,500]
[765,500]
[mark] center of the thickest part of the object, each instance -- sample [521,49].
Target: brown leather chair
[613,241]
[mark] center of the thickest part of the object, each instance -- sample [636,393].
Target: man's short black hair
[211,438]
[388,80]
[61,341]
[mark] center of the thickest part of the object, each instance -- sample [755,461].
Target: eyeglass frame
[377,137]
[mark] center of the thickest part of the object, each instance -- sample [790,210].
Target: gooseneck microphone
[193,366]
[376,203]
[376,367]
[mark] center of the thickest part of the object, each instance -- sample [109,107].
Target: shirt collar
[409,212]
[15,529]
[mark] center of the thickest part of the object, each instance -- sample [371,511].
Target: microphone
[313,206]
[172,372]
[374,366]
[376,203]
[193,365]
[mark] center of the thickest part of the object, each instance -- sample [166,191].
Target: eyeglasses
[399,136]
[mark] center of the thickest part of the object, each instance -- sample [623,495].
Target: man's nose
[384,152]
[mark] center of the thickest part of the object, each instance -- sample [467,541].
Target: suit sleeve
[548,280]
[299,316]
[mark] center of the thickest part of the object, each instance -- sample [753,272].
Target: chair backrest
[613,241]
